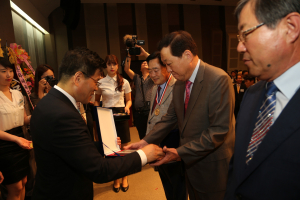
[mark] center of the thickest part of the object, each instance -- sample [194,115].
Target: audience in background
[249,80]
[233,76]
[239,91]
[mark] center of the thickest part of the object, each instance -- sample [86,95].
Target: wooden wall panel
[192,24]
[173,17]
[154,26]
[95,28]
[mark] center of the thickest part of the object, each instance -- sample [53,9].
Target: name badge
[21,102]
[242,90]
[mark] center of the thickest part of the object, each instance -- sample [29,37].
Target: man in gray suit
[202,105]
[171,174]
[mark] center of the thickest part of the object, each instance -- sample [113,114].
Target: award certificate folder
[107,133]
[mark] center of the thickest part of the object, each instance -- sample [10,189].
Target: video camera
[130,41]
[52,81]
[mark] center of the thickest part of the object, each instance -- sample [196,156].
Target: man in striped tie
[266,161]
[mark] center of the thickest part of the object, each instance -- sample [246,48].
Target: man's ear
[292,21]
[77,78]
[187,55]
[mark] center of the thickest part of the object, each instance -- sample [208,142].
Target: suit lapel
[197,87]
[168,90]
[180,98]
[284,127]
[153,95]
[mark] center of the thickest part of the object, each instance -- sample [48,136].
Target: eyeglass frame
[246,32]
[95,81]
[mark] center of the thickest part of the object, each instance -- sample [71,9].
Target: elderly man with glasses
[266,161]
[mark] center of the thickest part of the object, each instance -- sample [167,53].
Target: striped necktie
[264,120]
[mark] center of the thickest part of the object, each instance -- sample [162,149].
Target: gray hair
[270,12]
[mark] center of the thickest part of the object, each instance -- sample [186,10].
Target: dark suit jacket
[206,131]
[67,160]
[238,97]
[273,173]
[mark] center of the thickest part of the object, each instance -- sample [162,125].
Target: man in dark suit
[266,159]
[67,160]
[239,91]
[202,105]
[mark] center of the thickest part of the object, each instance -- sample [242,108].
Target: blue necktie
[264,120]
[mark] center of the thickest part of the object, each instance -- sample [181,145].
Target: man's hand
[136,145]
[143,52]
[1,177]
[171,155]
[153,152]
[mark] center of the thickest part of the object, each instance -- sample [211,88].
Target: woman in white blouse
[14,156]
[113,88]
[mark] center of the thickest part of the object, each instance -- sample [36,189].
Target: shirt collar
[162,85]
[288,83]
[193,77]
[111,78]
[67,95]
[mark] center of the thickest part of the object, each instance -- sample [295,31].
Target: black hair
[244,71]
[179,41]
[79,59]
[5,63]
[250,78]
[270,12]
[153,56]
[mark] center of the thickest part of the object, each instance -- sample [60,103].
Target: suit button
[149,122]
[239,196]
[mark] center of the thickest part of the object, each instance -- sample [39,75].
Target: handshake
[155,155]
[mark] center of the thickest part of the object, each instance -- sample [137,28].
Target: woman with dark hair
[41,85]
[113,88]
[14,156]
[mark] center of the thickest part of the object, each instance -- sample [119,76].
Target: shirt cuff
[142,156]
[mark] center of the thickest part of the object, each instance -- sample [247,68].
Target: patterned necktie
[155,102]
[187,94]
[264,120]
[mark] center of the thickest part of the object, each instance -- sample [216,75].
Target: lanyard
[164,90]
[111,149]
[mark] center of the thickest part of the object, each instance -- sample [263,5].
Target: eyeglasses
[96,82]
[242,36]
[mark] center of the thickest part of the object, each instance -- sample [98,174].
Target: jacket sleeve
[220,107]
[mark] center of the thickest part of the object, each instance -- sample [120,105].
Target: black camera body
[130,42]
[52,81]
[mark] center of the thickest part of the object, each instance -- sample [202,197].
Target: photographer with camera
[143,85]
[43,82]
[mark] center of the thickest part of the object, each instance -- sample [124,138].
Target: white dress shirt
[11,112]
[140,152]
[193,77]
[111,97]
[288,83]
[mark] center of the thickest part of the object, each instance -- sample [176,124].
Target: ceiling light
[23,14]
